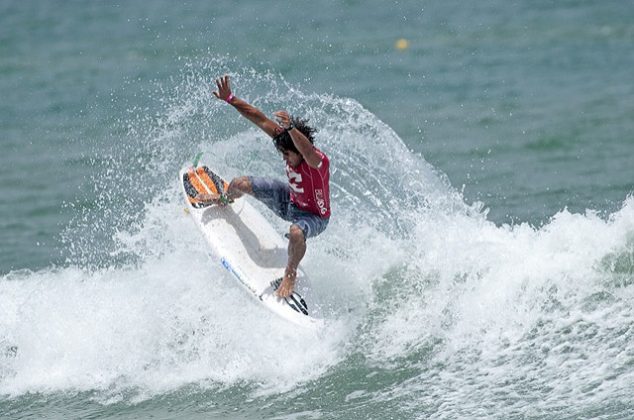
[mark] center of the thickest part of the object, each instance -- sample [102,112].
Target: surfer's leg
[273,193]
[310,224]
[305,225]
[296,251]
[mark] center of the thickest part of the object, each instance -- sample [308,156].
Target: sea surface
[479,262]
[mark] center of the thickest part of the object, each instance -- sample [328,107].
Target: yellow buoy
[401,44]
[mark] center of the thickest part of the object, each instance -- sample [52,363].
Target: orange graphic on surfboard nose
[201,182]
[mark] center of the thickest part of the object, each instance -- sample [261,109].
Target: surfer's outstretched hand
[283,119]
[287,285]
[224,88]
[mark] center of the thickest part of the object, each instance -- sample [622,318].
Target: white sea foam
[172,320]
[494,313]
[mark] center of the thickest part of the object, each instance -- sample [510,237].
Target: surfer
[305,199]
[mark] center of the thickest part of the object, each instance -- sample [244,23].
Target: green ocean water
[480,259]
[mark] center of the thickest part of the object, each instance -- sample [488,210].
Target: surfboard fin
[196,159]
[295,300]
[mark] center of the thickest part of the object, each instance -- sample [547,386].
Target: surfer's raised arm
[247,110]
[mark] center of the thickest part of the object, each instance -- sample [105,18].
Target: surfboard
[245,244]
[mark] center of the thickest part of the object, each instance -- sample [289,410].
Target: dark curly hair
[284,142]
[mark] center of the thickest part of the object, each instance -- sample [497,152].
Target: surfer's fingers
[217,93]
[223,82]
[282,117]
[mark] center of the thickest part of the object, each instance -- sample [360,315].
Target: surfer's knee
[241,185]
[296,234]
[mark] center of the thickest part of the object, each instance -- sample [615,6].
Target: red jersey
[310,189]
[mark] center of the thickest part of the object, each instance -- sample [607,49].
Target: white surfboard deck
[252,251]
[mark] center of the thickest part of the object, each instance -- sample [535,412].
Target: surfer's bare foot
[288,284]
[209,198]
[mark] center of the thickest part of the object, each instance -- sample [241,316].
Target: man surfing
[305,199]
